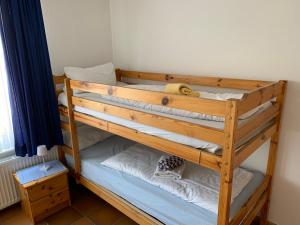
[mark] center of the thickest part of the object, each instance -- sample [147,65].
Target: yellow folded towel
[180,89]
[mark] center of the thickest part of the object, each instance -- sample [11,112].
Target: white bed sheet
[198,185]
[160,204]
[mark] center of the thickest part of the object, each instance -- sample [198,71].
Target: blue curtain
[33,101]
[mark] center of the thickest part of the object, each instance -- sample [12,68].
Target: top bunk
[198,129]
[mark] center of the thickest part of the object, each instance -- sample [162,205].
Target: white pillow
[87,136]
[104,74]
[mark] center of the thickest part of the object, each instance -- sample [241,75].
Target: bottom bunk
[158,203]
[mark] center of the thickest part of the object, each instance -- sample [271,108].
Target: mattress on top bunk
[153,200]
[171,136]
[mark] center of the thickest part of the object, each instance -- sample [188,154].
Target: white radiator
[9,194]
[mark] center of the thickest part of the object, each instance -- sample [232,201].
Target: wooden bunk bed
[258,92]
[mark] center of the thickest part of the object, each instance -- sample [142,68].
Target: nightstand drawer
[47,187]
[50,203]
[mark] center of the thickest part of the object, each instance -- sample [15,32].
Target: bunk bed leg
[118,75]
[73,131]
[227,163]
[273,153]
[61,154]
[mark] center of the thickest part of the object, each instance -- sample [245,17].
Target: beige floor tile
[124,220]
[65,217]
[83,221]
[105,216]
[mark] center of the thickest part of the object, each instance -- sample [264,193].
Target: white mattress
[171,136]
[198,185]
[158,203]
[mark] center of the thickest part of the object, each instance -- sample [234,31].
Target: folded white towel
[175,173]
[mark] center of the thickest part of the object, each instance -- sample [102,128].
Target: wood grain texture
[196,80]
[231,121]
[251,146]
[273,151]
[258,96]
[73,129]
[65,126]
[45,187]
[122,205]
[118,75]
[66,149]
[257,121]
[44,196]
[42,206]
[191,154]
[59,79]
[165,123]
[251,202]
[193,104]
[253,213]
[61,154]
[259,93]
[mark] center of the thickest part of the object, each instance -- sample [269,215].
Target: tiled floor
[86,209]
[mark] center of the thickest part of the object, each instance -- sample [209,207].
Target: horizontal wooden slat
[58,79]
[66,149]
[65,126]
[252,201]
[173,125]
[254,212]
[200,105]
[89,120]
[196,80]
[257,121]
[191,154]
[119,203]
[186,152]
[258,97]
[205,159]
[63,110]
[254,144]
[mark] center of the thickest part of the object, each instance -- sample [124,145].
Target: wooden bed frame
[258,92]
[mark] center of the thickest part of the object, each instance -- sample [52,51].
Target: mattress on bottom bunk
[168,135]
[160,204]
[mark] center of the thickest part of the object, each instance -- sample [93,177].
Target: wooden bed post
[118,74]
[273,153]
[61,155]
[73,130]
[227,163]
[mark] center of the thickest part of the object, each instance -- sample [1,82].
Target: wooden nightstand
[46,194]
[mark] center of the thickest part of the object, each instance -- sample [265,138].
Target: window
[6,129]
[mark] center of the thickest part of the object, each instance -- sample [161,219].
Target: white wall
[243,39]
[78,32]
